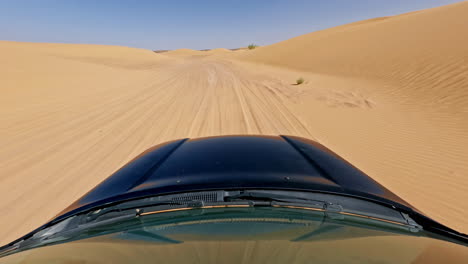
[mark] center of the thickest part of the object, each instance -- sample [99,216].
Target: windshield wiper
[334,206]
[272,197]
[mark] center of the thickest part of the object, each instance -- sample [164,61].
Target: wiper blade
[124,207]
[75,226]
[272,197]
[334,206]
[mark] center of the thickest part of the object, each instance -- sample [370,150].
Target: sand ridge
[190,52]
[421,54]
[389,95]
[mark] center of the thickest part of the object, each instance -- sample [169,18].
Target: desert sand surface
[389,94]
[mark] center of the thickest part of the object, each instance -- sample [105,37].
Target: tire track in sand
[64,155]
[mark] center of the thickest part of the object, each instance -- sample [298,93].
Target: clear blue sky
[196,24]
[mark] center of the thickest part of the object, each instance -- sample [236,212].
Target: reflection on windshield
[245,235]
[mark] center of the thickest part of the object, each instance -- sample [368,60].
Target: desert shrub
[300,81]
[252,46]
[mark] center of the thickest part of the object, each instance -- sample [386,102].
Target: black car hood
[235,162]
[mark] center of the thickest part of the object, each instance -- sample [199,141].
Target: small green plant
[252,46]
[300,81]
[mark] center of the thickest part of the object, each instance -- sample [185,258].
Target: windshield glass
[243,235]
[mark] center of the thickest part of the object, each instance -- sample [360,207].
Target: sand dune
[388,94]
[411,73]
[190,52]
[219,51]
[422,55]
[184,52]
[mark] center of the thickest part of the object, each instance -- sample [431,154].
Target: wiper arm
[270,198]
[274,199]
[334,206]
[254,198]
[124,207]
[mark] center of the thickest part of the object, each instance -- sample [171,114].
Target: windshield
[243,235]
[246,227]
